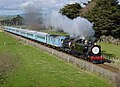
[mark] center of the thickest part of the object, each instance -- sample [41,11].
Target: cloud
[10,12]
[11,5]
[20,5]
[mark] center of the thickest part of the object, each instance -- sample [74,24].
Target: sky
[13,7]
[82,27]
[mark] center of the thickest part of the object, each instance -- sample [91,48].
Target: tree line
[16,21]
[105,16]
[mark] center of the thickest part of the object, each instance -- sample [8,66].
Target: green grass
[111,49]
[40,69]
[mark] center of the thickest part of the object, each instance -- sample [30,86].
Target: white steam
[79,27]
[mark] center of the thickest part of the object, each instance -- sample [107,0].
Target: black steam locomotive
[84,49]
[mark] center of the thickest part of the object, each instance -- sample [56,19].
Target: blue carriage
[55,40]
[41,37]
[7,29]
[31,34]
[23,32]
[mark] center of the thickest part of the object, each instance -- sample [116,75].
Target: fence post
[92,68]
[68,59]
[52,52]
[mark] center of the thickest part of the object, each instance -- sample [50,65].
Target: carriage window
[49,38]
[54,40]
[40,37]
[29,34]
[23,32]
[17,30]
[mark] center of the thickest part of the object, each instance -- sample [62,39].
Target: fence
[114,61]
[80,63]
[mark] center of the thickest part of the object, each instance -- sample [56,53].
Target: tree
[14,21]
[17,20]
[71,10]
[106,18]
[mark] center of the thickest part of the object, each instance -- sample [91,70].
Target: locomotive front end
[95,54]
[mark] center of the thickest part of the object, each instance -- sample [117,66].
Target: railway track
[105,65]
[109,67]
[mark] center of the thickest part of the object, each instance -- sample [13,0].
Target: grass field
[32,67]
[111,49]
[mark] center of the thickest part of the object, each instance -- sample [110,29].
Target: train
[81,48]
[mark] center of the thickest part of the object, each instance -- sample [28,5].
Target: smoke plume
[79,27]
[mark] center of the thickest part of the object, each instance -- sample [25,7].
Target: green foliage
[106,18]
[40,69]
[71,10]
[18,20]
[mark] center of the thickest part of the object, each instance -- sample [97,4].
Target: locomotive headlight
[95,50]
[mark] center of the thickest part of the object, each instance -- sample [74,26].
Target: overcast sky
[13,7]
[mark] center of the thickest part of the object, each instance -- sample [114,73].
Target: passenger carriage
[42,37]
[55,40]
[18,31]
[8,29]
[31,34]
[23,32]
[13,30]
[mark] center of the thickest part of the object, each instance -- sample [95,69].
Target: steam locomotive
[83,48]
[78,47]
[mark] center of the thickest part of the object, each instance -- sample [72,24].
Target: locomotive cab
[67,42]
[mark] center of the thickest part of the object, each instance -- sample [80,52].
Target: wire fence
[80,63]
